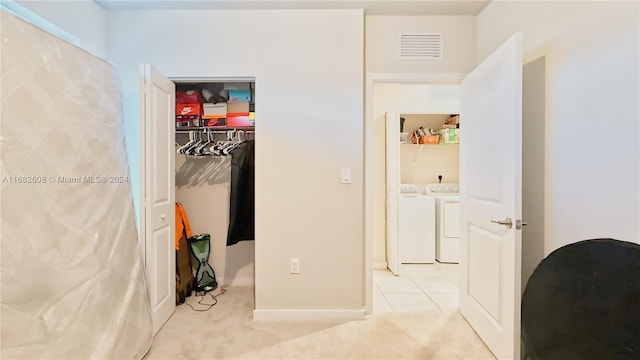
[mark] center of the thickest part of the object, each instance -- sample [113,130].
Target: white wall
[382,41]
[399,98]
[83,19]
[309,125]
[592,114]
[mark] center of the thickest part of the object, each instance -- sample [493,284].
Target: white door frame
[392,189]
[370,80]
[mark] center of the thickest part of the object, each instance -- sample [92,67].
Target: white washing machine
[447,219]
[416,226]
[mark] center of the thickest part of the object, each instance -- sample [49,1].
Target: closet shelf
[216,128]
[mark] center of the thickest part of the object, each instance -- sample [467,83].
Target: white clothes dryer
[447,219]
[416,226]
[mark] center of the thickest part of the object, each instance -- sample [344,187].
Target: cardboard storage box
[187,123]
[188,112]
[238,108]
[240,95]
[189,97]
[238,121]
[218,122]
[214,111]
[237,85]
[429,139]
[450,136]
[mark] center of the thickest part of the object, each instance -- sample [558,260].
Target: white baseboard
[382,265]
[304,315]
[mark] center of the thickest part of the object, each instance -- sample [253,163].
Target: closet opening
[215,137]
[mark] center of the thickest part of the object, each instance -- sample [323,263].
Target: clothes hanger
[237,141]
[215,148]
[191,149]
[179,149]
[187,147]
[219,148]
[203,149]
[191,141]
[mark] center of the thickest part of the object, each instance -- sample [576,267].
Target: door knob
[520,224]
[163,217]
[506,222]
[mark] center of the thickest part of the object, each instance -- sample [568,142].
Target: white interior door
[392,123]
[157,127]
[490,191]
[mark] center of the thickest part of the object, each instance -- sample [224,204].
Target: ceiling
[372,7]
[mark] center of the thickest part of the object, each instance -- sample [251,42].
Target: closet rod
[212,131]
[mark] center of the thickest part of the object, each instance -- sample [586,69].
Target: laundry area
[429,175]
[424,277]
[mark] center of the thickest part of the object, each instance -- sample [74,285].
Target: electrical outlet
[294,266]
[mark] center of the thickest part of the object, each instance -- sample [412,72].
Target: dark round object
[583,302]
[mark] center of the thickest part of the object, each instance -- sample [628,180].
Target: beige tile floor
[420,287]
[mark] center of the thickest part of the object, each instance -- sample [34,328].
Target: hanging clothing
[182,224]
[242,197]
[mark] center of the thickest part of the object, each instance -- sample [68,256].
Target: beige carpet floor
[227,331]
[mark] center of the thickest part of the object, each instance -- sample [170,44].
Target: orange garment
[182,224]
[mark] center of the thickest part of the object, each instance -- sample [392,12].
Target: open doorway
[425,104]
[422,248]
[220,124]
[402,96]
[533,165]
[210,166]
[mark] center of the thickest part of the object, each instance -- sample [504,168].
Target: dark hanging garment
[242,197]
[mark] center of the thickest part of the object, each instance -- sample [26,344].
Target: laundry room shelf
[428,145]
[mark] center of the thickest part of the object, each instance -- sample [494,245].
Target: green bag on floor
[205,276]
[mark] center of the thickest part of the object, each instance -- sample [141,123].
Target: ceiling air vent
[421,46]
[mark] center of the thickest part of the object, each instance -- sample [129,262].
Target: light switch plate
[294,266]
[346,176]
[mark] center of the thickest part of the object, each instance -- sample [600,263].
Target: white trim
[142,138]
[409,78]
[380,265]
[37,20]
[370,79]
[216,79]
[306,315]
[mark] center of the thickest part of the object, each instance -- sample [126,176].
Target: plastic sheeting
[72,278]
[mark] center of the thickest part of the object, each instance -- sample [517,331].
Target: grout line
[439,275]
[427,295]
[435,302]
[388,303]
